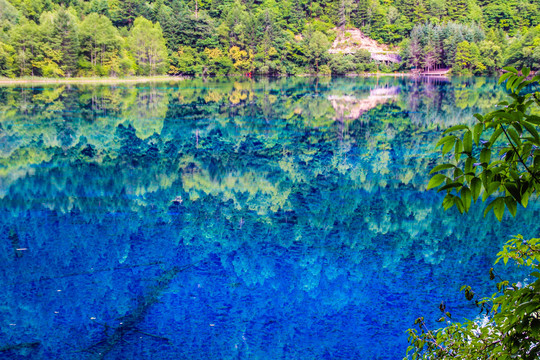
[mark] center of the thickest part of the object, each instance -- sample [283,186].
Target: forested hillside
[54,38]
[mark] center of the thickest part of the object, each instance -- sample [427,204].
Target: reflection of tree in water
[272,115]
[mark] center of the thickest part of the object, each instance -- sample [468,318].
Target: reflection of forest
[292,120]
[250,142]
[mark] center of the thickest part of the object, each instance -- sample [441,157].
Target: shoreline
[150,79]
[90,80]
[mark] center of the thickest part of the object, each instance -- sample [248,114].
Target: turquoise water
[235,219]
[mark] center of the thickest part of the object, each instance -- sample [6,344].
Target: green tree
[6,59]
[491,55]
[464,57]
[148,46]
[243,60]
[216,62]
[457,9]
[31,9]
[8,12]
[525,50]
[317,48]
[124,12]
[100,41]
[437,8]
[297,17]
[363,13]
[184,61]
[26,41]
[65,40]
[500,14]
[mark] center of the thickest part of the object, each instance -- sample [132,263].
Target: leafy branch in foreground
[499,156]
[509,327]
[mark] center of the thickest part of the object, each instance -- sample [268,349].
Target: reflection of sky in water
[233,219]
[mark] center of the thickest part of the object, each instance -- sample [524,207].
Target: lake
[235,219]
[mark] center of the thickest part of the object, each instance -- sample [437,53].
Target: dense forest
[67,38]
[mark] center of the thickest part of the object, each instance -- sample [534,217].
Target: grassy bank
[89,80]
[162,78]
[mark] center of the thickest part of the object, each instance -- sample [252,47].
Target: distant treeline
[61,38]
[468,49]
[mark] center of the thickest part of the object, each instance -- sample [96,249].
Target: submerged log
[134,318]
[28,345]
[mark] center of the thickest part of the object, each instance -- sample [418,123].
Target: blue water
[235,219]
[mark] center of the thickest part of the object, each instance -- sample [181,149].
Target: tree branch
[517,153]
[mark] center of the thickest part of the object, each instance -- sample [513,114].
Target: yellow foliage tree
[243,60]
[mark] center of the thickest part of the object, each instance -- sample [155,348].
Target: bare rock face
[351,40]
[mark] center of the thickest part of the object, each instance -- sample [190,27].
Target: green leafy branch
[499,156]
[509,327]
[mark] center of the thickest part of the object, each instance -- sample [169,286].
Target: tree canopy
[52,38]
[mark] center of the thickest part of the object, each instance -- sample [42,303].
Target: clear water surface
[234,219]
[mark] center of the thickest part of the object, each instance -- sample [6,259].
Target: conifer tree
[66,41]
[458,9]
[362,13]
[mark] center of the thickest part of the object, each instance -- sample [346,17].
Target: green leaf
[522,85]
[511,69]
[448,201]
[477,132]
[513,190]
[455,128]
[458,148]
[476,186]
[518,127]
[450,186]
[526,151]
[511,204]
[498,208]
[504,77]
[534,119]
[495,135]
[525,199]
[514,83]
[442,167]
[447,147]
[485,156]
[479,117]
[445,139]
[436,180]
[525,71]
[531,129]
[493,187]
[466,198]
[467,142]
[515,137]
[504,115]
[469,166]
[459,204]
